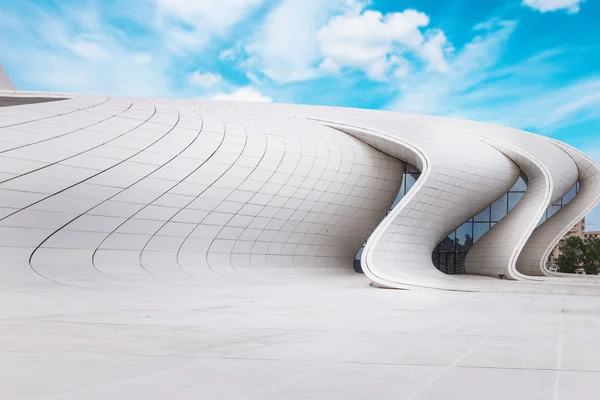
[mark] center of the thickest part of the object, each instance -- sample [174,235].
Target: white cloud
[429,92]
[227,54]
[243,94]
[302,40]
[284,47]
[367,41]
[73,49]
[434,51]
[572,6]
[191,25]
[204,79]
[476,87]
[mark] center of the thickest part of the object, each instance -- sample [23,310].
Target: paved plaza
[288,337]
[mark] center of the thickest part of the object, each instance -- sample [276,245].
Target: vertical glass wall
[550,211]
[409,178]
[449,257]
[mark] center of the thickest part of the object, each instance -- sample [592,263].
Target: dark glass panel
[499,208]
[479,229]
[411,169]
[513,199]
[442,265]
[450,263]
[520,185]
[357,267]
[448,243]
[483,216]
[410,181]
[401,192]
[472,230]
[464,237]
[460,262]
[542,220]
[552,210]
[359,254]
[569,196]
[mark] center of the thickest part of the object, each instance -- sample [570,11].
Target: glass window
[542,220]
[520,185]
[479,229]
[484,216]
[442,266]
[450,266]
[359,254]
[499,208]
[570,195]
[464,237]
[452,260]
[448,243]
[401,193]
[410,181]
[513,199]
[459,264]
[411,169]
[552,210]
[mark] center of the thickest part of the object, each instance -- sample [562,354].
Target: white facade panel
[119,187]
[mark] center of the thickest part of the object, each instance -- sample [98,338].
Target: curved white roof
[109,189]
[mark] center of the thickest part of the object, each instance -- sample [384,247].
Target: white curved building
[111,189]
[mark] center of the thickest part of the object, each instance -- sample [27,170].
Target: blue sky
[530,64]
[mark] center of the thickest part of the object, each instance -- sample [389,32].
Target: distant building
[594,234]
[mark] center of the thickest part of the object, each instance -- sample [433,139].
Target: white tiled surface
[465,167]
[191,249]
[331,338]
[180,189]
[537,248]
[98,189]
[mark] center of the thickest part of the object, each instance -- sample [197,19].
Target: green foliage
[552,261]
[591,263]
[578,253]
[572,257]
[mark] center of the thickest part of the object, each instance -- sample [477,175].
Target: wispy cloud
[132,47]
[572,6]
[300,40]
[243,94]
[192,25]
[204,79]
[73,49]
[284,47]
[264,50]
[478,86]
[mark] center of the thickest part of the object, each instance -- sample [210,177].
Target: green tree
[573,255]
[552,261]
[591,259]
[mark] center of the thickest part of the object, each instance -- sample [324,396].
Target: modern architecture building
[106,188]
[170,248]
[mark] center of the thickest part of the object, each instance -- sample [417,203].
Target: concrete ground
[331,337]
